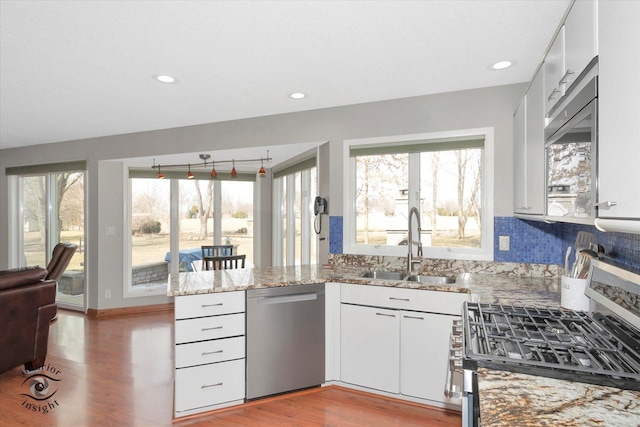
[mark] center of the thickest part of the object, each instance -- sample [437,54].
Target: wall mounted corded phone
[319,209]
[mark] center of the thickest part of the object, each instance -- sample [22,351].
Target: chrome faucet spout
[411,260]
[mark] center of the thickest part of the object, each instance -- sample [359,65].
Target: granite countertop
[508,399]
[482,287]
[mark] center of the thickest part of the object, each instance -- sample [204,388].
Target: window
[179,216]
[447,176]
[51,209]
[294,239]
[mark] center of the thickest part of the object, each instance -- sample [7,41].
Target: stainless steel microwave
[571,150]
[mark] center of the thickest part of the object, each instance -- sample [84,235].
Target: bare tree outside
[205,208]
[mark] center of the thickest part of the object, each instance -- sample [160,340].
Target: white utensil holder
[572,295]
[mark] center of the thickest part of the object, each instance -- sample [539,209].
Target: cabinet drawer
[206,385]
[405,299]
[213,351]
[209,328]
[190,306]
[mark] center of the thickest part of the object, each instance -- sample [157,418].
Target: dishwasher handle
[282,299]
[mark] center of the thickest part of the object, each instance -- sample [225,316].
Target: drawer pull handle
[210,385]
[553,94]
[385,314]
[205,353]
[212,305]
[565,78]
[414,317]
[209,329]
[399,299]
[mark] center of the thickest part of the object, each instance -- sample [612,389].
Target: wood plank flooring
[118,371]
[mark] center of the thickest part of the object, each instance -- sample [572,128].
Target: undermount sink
[431,280]
[385,275]
[393,275]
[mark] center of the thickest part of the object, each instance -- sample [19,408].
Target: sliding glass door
[52,210]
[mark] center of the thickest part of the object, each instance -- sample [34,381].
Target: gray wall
[486,107]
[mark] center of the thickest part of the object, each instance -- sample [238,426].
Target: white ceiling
[80,69]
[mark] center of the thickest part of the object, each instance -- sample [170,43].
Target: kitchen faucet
[411,260]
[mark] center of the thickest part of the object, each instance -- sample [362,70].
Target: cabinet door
[553,71]
[370,347]
[424,352]
[579,39]
[519,164]
[534,153]
[619,108]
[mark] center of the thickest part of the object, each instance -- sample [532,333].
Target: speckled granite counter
[482,287]
[508,399]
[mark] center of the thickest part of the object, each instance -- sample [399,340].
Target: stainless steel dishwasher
[285,339]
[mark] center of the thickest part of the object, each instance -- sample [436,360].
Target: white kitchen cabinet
[554,69]
[396,340]
[528,150]
[580,42]
[535,158]
[519,158]
[370,347]
[209,352]
[619,109]
[424,356]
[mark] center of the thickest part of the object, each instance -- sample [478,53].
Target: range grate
[556,343]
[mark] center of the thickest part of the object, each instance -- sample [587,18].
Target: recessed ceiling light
[297,95]
[501,65]
[165,79]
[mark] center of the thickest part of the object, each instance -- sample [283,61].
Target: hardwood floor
[118,371]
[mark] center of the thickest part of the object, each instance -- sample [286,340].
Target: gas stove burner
[555,328]
[513,350]
[582,359]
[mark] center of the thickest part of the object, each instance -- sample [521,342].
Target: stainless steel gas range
[600,347]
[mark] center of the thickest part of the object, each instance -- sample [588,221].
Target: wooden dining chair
[211,251]
[228,262]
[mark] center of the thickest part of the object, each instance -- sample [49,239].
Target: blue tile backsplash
[530,240]
[335,234]
[535,242]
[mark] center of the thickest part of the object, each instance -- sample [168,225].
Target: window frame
[484,253]
[174,219]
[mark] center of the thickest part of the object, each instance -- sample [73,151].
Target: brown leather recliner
[27,305]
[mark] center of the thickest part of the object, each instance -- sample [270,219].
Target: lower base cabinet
[200,386]
[424,355]
[370,350]
[398,349]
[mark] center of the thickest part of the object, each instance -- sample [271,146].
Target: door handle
[385,314]
[399,299]
[209,329]
[288,298]
[414,317]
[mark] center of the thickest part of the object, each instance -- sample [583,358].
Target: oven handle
[451,390]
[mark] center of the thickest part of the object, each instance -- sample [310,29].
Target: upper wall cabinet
[580,42]
[573,48]
[553,70]
[528,140]
[619,110]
